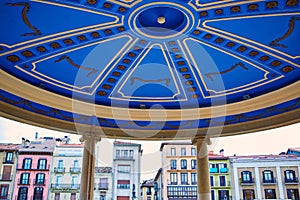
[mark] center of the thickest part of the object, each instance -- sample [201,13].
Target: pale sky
[265,142]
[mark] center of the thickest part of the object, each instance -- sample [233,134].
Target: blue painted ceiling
[140,54]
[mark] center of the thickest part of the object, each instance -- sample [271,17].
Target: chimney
[36,135]
[23,141]
[221,152]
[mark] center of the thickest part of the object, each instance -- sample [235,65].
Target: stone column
[203,178]
[88,167]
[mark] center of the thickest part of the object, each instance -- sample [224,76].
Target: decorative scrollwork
[25,18]
[70,61]
[166,80]
[291,25]
[209,75]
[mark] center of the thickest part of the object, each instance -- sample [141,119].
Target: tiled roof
[148,183]
[120,143]
[9,147]
[39,146]
[103,170]
[173,143]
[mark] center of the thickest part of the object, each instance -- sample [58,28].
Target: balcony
[5,177]
[182,192]
[8,161]
[38,168]
[5,197]
[59,169]
[217,184]
[247,182]
[38,183]
[124,158]
[65,187]
[75,170]
[223,170]
[269,182]
[291,181]
[213,170]
[24,181]
[103,186]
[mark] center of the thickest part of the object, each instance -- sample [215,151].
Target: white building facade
[103,183]
[126,171]
[66,172]
[265,177]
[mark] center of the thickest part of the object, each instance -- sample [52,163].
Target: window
[103,196]
[270,194]
[131,153]
[184,178]
[57,196]
[293,194]
[40,179]
[193,164]
[118,153]
[222,180]
[76,164]
[149,192]
[73,196]
[124,168]
[223,168]
[173,152]
[4,191]
[183,151]
[268,176]
[182,192]
[58,181]
[183,164]
[248,194]
[103,183]
[9,157]
[22,194]
[27,163]
[173,164]
[246,177]
[24,179]
[60,164]
[194,178]
[123,184]
[212,181]
[74,182]
[38,193]
[223,194]
[193,151]
[290,176]
[42,164]
[212,194]
[173,178]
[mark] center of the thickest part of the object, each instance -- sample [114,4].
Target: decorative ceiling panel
[169,68]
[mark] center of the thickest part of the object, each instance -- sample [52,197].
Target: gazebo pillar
[203,178]
[88,167]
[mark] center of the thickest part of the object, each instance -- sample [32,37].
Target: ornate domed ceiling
[149,69]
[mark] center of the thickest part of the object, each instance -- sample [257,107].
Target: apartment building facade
[33,169]
[265,177]
[103,183]
[8,163]
[179,173]
[126,170]
[66,172]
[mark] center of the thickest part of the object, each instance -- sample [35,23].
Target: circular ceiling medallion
[157,20]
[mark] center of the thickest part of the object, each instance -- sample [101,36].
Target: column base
[204,196]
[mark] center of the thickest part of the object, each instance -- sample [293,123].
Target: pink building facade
[33,170]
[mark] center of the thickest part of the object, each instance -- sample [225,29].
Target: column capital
[89,136]
[197,140]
